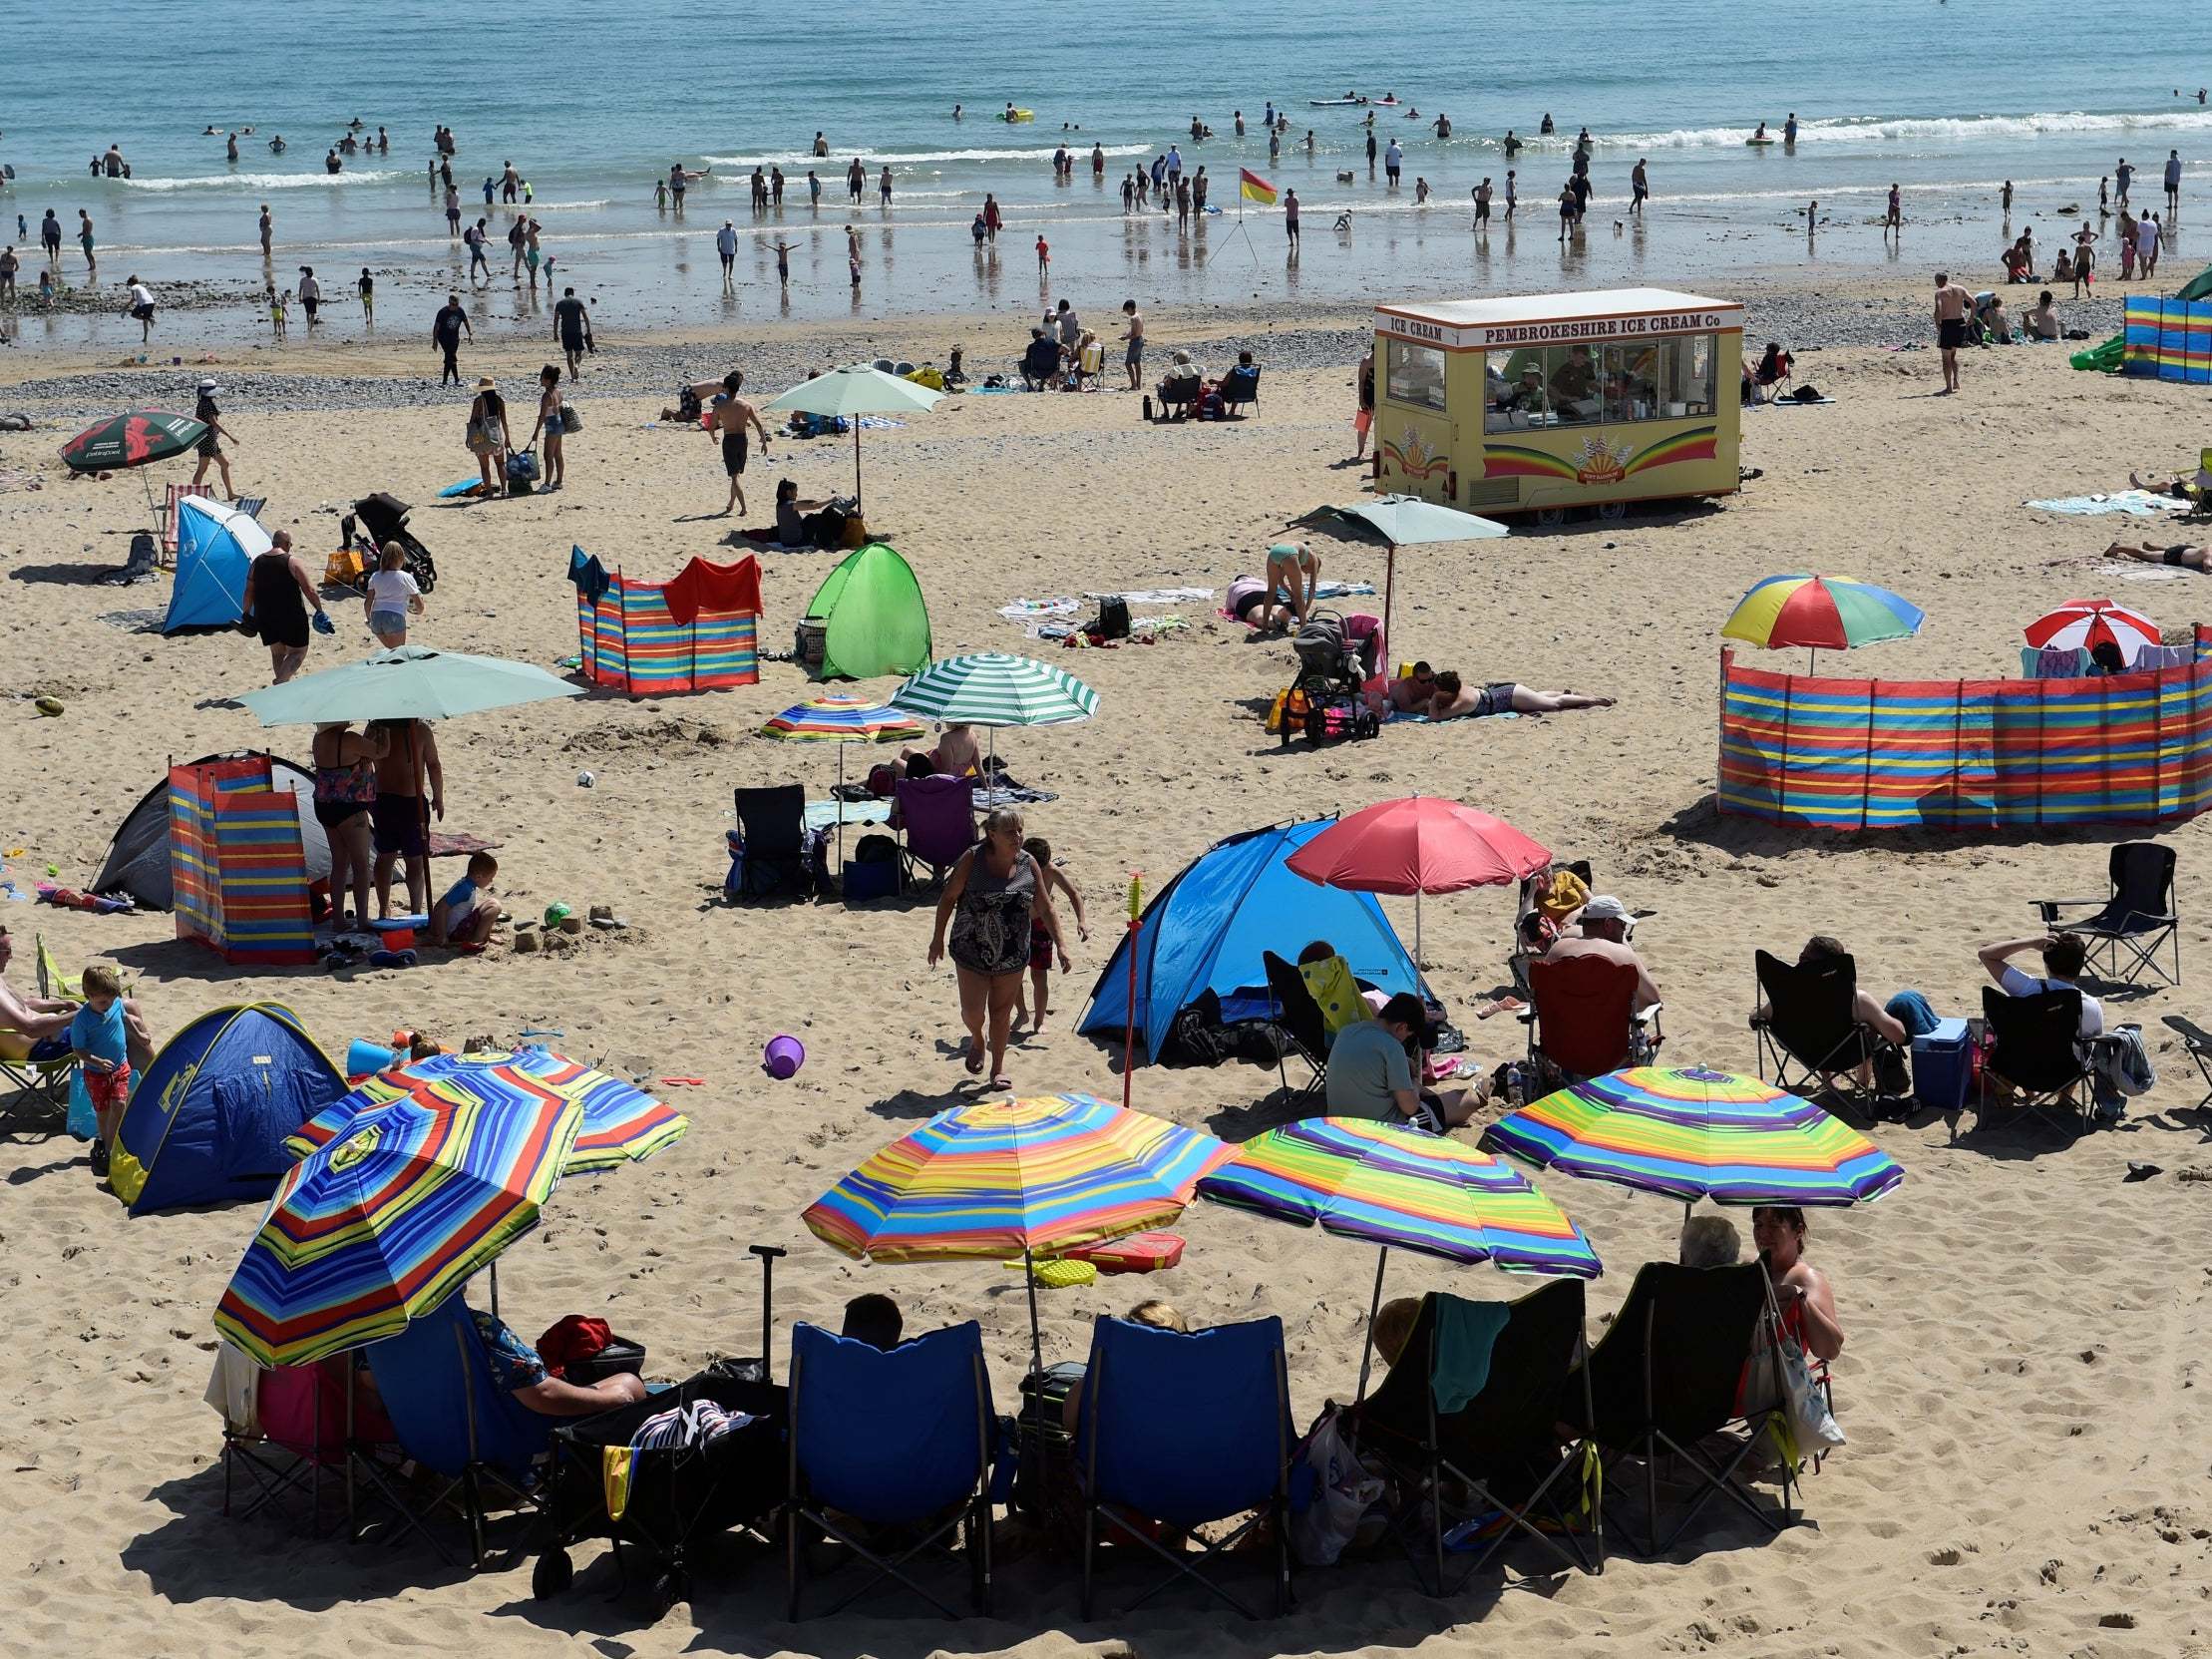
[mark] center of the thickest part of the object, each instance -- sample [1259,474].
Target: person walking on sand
[1291,219]
[84,238]
[572,328]
[784,250]
[1894,218]
[1952,305]
[727,423]
[310,294]
[2173,181]
[474,238]
[279,597]
[1639,186]
[725,244]
[1133,343]
[446,330]
[268,229]
[367,289]
[1363,419]
[211,441]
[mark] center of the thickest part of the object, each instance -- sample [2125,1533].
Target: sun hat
[486,384]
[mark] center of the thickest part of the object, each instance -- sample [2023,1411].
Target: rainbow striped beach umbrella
[385,1222]
[1403,1189]
[622,1123]
[1002,1180]
[1821,612]
[837,718]
[1694,1133]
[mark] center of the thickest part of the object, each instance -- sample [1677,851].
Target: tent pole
[1129,1022]
[856,469]
[494,1289]
[1374,1306]
[1389,592]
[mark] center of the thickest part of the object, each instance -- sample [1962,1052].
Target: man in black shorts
[572,326]
[279,594]
[1953,303]
[731,414]
[396,818]
[445,333]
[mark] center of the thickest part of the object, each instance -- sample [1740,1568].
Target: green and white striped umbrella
[997,688]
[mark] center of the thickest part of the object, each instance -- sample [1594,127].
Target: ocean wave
[568,206]
[1901,130]
[873,160]
[263,180]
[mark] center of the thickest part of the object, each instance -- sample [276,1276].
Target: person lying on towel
[1452,699]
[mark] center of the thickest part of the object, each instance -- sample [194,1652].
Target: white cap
[1605,908]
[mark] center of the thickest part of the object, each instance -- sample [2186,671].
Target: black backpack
[1113,619]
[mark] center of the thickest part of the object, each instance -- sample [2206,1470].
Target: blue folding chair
[1181,1429]
[894,1447]
[449,1414]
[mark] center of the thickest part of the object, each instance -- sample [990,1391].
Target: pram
[674,1497]
[382,518]
[1325,700]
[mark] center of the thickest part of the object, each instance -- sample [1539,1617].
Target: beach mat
[2140,503]
[457,844]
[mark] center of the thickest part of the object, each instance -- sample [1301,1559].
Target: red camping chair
[1580,1019]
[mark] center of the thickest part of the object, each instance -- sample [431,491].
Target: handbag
[1809,1416]
[570,421]
[1343,1489]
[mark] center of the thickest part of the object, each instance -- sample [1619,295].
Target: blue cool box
[1941,1067]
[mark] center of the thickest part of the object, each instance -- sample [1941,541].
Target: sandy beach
[2025,1468]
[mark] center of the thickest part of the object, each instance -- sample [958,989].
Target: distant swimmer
[230,146]
[1544,127]
[1512,145]
[1443,125]
[956,112]
[333,163]
[821,144]
[1789,129]
[1761,136]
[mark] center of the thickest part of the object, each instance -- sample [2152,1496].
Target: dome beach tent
[1207,929]
[870,617]
[208,1122]
[217,545]
[138,862]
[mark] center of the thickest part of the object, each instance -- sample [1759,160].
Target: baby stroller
[1323,701]
[382,518]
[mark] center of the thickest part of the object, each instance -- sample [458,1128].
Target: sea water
[1947,98]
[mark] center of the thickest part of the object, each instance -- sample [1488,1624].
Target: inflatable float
[1019,115]
[1335,103]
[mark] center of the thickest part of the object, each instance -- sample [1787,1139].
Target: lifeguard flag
[1256,189]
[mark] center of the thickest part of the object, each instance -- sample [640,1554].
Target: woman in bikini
[345,789]
[989,900]
[1809,1306]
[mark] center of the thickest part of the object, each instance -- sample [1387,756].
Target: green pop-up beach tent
[872,616]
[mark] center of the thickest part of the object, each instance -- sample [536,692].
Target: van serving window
[1414,374]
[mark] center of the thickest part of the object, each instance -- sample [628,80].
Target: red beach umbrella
[1423,844]
[2086,623]
[132,440]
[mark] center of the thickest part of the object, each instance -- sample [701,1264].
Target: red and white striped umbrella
[2086,623]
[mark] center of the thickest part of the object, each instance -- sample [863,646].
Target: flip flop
[974,1062]
[999,1079]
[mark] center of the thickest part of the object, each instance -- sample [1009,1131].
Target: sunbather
[1453,699]
[956,754]
[516,1368]
[2150,552]
[2181,489]
[1409,693]
[1808,1305]
[1710,1241]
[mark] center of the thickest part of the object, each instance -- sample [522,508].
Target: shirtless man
[1953,303]
[2149,552]
[1411,694]
[1451,698]
[1604,929]
[728,422]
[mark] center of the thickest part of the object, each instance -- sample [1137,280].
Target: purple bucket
[784,1056]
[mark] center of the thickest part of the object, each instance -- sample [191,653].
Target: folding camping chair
[900,1443]
[1809,1022]
[1499,1452]
[2196,1042]
[449,1414]
[35,1079]
[165,516]
[937,823]
[1300,1023]
[2138,916]
[1183,1429]
[301,1426]
[1672,1369]
[1582,1018]
[2035,1045]
[1517,963]
[772,825]
[1240,388]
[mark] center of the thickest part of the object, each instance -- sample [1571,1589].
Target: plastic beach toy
[783,1057]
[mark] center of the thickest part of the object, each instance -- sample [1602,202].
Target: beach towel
[1466,1332]
[877,423]
[588,575]
[2052,662]
[1022,609]
[1159,596]
[2140,503]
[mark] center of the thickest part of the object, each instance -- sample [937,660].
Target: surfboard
[1759,144]
[1335,103]
[466,486]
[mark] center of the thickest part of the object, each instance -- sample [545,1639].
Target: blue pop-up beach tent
[1207,929]
[206,1124]
[217,545]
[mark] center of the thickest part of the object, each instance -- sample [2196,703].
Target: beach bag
[1810,1418]
[808,644]
[872,870]
[1343,1490]
[522,466]
[570,421]
[478,444]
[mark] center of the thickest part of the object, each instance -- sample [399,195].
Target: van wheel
[1612,510]
[1551,518]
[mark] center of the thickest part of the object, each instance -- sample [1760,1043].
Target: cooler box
[1942,1067]
[1138,1253]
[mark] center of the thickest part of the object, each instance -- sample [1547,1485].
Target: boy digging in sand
[465,914]
[1040,938]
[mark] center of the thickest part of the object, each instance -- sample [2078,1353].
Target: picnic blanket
[824,814]
[2140,503]
[1159,596]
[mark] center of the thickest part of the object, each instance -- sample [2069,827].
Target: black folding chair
[1501,1450]
[2137,920]
[2035,1047]
[1809,1023]
[1300,1022]
[1675,1369]
[772,823]
[2196,1043]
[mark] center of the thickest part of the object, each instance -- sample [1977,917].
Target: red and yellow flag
[1256,189]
